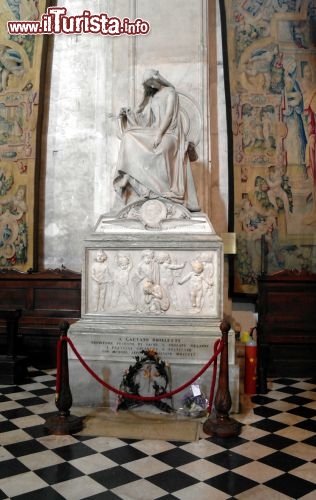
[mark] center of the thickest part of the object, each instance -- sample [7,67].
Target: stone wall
[92,76]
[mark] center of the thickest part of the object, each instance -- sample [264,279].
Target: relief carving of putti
[198,281]
[153,283]
[101,280]
[121,285]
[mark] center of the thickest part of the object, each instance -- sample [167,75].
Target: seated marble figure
[154,153]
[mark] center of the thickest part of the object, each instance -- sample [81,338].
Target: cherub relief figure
[196,279]
[155,298]
[101,279]
[167,273]
[207,259]
[121,284]
[146,269]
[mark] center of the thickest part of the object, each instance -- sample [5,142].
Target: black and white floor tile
[273,458]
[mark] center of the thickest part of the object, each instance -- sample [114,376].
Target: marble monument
[153,270]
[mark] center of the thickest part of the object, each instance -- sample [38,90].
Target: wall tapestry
[21,58]
[272,75]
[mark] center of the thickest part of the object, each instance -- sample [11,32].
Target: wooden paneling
[46,299]
[286,326]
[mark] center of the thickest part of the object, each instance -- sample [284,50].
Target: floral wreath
[130,385]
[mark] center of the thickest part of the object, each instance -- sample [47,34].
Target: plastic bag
[194,403]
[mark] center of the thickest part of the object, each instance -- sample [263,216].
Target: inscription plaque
[197,349]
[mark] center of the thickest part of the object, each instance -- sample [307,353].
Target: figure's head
[20,194]
[197,267]
[163,257]
[147,256]
[307,72]
[148,286]
[123,261]
[101,256]
[153,80]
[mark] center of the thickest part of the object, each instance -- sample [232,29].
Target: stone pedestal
[152,279]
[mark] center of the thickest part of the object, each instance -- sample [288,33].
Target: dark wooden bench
[286,326]
[45,298]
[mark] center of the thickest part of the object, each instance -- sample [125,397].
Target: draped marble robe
[153,171]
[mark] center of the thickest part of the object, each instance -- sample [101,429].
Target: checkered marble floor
[273,458]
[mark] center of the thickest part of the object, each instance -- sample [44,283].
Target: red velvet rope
[210,401]
[217,350]
[58,363]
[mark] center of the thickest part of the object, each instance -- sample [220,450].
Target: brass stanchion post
[64,422]
[221,424]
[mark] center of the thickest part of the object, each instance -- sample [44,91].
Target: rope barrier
[218,346]
[212,390]
[58,363]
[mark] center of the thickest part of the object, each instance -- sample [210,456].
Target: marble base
[109,350]
[152,279]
